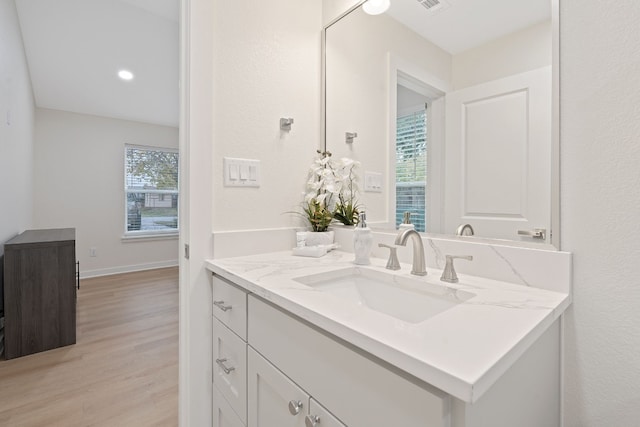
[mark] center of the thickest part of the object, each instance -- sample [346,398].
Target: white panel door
[498,156]
[274,400]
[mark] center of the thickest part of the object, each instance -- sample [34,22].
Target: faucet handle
[449,273]
[392,263]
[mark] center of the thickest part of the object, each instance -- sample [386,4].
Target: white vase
[315,238]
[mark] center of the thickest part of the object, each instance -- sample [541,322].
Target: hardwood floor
[123,370]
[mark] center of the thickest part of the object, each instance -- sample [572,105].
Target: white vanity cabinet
[274,369]
[356,389]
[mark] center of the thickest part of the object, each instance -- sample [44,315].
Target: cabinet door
[355,388]
[223,415]
[319,417]
[274,400]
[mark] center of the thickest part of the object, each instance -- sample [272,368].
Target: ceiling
[75,48]
[459,25]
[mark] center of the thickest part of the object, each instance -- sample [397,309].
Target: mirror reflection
[451,105]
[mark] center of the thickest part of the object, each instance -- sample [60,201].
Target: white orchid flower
[345,162]
[314,185]
[320,198]
[331,188]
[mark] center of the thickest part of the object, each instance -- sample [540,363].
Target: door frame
[402,71]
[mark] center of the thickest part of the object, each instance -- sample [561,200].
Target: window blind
[411,167]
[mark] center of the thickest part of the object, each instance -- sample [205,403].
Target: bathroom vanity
[322,342]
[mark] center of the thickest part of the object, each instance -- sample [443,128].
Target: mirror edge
[323,72]
[555,124]
[555,121]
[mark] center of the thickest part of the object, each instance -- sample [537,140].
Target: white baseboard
[127,269]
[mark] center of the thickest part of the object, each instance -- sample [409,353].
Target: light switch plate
[241,172]
[373,182]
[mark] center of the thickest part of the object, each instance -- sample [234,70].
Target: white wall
[524,50]
[266,66]
[79,182]
[265,61]
[600,209]
[16,128]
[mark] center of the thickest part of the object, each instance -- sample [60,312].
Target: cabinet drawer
[230,368]
[358,389]
[230,306]
[223,415]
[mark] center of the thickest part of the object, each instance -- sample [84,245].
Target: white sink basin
[411,300]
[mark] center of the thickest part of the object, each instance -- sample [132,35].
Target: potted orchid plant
[332,188]
[346,209]
[322,186]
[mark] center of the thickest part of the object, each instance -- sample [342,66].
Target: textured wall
[16,128]
[600,209]
[265,61]
[266,65]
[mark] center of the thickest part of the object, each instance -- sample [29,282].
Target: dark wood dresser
[39,291]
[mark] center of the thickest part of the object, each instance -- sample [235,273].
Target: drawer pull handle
[221,306]
[311,420]
[294,407]
[536,233]
[227,370]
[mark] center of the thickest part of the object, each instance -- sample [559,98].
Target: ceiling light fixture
[125,75]
[376,7]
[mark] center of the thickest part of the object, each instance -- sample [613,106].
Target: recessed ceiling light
[125,75]
[376,7]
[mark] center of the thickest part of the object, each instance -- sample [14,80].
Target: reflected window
[411,165]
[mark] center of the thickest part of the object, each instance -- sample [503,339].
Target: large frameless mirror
[454,104]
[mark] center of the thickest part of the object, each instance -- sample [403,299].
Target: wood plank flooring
[123,370]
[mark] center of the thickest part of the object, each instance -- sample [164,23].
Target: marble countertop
[461,351]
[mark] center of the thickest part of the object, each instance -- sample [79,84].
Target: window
[151,190]
[411,167]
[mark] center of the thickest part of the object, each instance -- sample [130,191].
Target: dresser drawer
[230,306]
[230,368]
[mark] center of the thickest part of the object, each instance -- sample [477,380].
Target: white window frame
[406,112]
[147,234]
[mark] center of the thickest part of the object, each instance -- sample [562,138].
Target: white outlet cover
[373,182]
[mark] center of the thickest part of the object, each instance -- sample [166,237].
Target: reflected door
[498,148]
